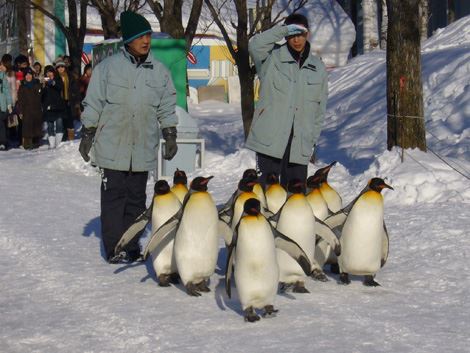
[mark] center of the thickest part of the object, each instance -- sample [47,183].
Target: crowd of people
[39,106]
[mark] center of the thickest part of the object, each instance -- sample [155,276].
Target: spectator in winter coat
[5,106]
[30,109]
[293,92]
[53,106]
[85,80]
[71,95]
[121,122]
[7,61]
[37,68]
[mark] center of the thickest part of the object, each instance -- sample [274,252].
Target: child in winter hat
[133,26]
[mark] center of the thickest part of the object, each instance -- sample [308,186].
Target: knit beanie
[133,26]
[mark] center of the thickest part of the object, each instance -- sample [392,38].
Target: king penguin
[364,237]
[252,257]
[180,182]
[165,205]
[257,187]
[296,220]
[320,209]
[330,195]
[196,237]
[276,195]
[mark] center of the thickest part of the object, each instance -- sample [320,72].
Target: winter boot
[58,138]
[71,134]
[51,142]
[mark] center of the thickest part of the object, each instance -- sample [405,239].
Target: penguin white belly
[256,268]
[361,239]
[331,197]
[298,223]
[165,207]
[322,252]
[196,242]
[259,192]
[275,198]
[318,204]
[289,270]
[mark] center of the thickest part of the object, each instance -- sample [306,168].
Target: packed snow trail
[58,293]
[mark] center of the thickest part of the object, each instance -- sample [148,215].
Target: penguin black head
[272,178]
[252,207]
[180,177]
[322,173]
[377,184]
[161,187]
[246,184]
[200,183]
[314,181]
[296,186]
[250,174]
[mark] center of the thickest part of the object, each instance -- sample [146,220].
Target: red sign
[191,58]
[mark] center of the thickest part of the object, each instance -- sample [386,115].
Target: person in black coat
[53,106]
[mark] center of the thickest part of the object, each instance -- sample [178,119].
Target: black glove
[169,134]
[313,157]
[86,142]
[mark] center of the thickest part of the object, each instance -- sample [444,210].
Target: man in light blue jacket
[293,92]
[129,98]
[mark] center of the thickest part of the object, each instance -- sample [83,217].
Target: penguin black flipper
[163,232]
[139,224]
[226,212]
[293,249]
[385,246]
[325,232]
[229,265]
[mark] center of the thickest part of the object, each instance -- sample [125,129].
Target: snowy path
[58,294]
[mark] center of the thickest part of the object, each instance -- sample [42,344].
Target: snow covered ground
[57,294]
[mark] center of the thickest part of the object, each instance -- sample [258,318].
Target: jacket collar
[147,64]
[286,56]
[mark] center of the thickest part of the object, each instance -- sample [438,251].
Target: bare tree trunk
[371,32]
[423,19]
[405,122]
[22,16]
[384,25]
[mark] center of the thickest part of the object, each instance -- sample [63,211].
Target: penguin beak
[206,180]
[384,185]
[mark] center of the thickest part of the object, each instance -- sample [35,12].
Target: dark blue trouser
[287,171]
[122,201]
[54,127]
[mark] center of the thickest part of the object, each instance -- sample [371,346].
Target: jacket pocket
[262,127]
[153,92]
[117,90]
[313,91]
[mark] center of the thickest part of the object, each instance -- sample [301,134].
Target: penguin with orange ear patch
[180,182]
[330,195]
[364,238]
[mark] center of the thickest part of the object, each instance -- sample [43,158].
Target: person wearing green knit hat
[130,98]
[133,26]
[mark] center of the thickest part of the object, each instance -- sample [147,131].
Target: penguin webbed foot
[344,278]
[250,315]
[202,286]
[283,287]
[269,311]
[319,275]
[192,290]
[299,287]
[164,280]
[370,282]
